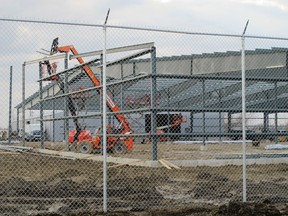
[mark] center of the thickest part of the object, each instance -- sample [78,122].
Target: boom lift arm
[70,102]
[112,106]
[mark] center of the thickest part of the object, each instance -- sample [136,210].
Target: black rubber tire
[255,143]
[85,147]
[119,148]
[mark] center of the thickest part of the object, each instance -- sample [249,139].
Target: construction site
[191,131]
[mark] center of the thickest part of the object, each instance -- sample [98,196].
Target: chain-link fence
[189,118]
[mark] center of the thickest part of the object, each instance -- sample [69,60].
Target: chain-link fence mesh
[174,119]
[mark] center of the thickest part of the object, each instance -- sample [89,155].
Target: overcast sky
[267,18]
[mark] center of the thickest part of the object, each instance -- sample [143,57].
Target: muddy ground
[38,184]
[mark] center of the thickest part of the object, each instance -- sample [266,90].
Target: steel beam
[114,50]
[53,57]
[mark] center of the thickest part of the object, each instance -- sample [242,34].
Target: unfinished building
[204,88]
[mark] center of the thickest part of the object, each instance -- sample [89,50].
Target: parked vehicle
[237,134]
[33,136]
[254,136]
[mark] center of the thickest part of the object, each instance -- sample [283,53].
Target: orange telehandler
[85,142]
[176,120]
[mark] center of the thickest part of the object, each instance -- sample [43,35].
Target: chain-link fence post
[104,124]
[243,111]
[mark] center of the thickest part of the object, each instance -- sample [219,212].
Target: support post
[191,66]
[168,119]
[23,105]
[244,112]
[101,98]
[266,121]
[191,121]
[41,107]
[104,144]
[17,121]
[121,86]
[276,125]
[220,116]
[10,107]
[203,113]
[53,116]
[229,121]
[276,113]
[153,105]
[134,69]
[66,101]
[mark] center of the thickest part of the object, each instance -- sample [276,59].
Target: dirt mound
[231,209]
[255,209]
[41,185]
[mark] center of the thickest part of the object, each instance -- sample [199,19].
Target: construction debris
[164,164]
[7,143]
[170,164]
[276,146]
[16,148]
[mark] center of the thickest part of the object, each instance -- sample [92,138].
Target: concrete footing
[181,163]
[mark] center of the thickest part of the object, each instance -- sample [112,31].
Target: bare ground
[36,184]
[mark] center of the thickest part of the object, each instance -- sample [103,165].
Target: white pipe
[104,145]
[243,116]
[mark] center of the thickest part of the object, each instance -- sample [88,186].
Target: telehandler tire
[85,147]
[119,148]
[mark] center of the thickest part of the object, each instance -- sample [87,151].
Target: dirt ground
[38,184]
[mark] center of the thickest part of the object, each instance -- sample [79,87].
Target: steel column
[266,121]
[220,116]
[53,115]
[41,107]
[229,121]
[121,86]
[134,69]
[23,104]
[10,107]
[191,121]
[66,121]
[17,121]
[203,113]
[169,119]
[191,66]
[153,105]
[276,113]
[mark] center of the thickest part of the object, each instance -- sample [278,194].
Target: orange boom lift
[85,142]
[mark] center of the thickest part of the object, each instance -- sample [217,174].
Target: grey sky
[266,16]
